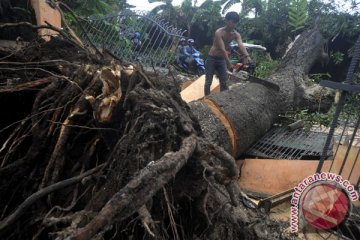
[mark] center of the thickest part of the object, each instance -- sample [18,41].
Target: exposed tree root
[147,221]
[43,192]
[139,190]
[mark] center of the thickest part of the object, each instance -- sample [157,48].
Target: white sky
[145,5]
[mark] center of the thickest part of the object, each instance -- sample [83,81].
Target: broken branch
[27,85]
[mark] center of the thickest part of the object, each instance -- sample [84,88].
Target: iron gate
[344,131]
[133,37]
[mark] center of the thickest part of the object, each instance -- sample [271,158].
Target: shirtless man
[218,59]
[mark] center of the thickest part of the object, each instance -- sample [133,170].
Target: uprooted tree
[91,148]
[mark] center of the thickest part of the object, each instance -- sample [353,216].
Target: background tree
[333,19]
[187,12]
[255,6]
[273,28]
[166,10]
[270,28]
[96,7]
[228,4]
[205,18]
[339,26]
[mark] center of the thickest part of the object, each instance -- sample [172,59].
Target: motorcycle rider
[193,59]
[189,50]
[180,52]
[136,40]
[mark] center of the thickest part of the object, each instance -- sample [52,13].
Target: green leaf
[297,14]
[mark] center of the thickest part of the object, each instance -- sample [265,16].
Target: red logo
[325,206]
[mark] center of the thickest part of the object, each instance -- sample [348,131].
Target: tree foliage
[256,6]
[206,17]
[271,23]
[228,4]
[333,20]
[187,13]
[269,28]
[96,7]
[166,10]
[298,14]
[276,21]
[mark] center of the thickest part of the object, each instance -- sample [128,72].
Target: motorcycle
[199,63]
[193,65]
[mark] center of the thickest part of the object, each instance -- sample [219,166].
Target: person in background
[218,59]
[189,50]
[180,52]
[136,40]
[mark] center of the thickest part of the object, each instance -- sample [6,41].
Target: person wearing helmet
[136,40]
[190,50]
[218,59]
[180,52]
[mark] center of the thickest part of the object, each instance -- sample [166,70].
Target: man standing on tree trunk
[218,59]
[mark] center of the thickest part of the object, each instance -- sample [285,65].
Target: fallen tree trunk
[235,119]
